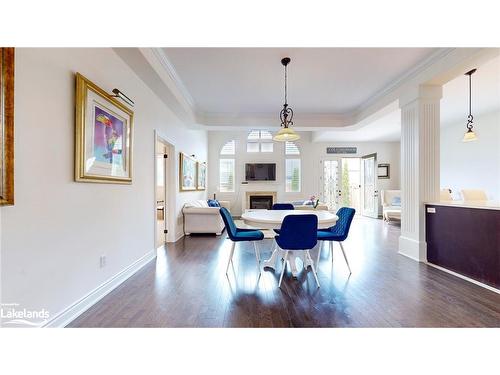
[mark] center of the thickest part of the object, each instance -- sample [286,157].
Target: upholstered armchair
[391,204]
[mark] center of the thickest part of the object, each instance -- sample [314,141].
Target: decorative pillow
[213,203]
[396,201]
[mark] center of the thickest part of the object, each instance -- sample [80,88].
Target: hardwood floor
[187,287]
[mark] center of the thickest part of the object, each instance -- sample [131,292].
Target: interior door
[161,217]
[330,192]
[369,192]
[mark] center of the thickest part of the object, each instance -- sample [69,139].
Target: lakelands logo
[13,314]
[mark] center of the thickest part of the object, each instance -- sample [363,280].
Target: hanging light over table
[470,135]
[286,133]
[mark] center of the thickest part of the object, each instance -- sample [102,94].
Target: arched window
[292,168]
[260,141]
[226,167]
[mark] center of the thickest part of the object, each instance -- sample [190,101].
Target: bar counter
[464,237]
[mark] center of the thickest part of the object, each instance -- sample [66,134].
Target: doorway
[340,180]
[369,186]
[163,155]
[351,183]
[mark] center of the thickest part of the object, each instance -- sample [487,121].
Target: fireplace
[259,200]
[262,202]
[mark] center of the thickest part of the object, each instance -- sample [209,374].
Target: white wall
[53,237]
[311,154]
[472,165]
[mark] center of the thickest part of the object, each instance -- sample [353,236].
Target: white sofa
[388,210]
[200,218]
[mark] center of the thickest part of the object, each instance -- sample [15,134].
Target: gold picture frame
[187,172]
[201,176]
[7,126]
[103,136]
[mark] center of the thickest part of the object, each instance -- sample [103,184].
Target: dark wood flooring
[187,287]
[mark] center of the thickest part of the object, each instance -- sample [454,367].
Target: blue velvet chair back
[229,223]
[298,232]
[341,228]
[283,206]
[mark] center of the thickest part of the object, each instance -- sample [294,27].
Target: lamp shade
[469,136]
[286,134]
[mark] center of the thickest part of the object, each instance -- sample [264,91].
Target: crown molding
[169,68]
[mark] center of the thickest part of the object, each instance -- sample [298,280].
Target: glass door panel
[369,186]
[330,188]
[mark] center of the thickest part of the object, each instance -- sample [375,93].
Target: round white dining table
[272,219]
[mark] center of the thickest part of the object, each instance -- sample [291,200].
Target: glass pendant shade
[286,134]
[469,136]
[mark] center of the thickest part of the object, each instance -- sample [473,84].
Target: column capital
[421,92]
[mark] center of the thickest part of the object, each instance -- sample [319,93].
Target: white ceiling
[338,94]
[320,80]
[454,108]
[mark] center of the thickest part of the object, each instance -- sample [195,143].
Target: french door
[369,192]
[330,192]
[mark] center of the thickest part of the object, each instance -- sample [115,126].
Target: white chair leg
[331,250]
[230,256]
[320,247]
[284,267]
[313,268]
[346,261]
[257,255]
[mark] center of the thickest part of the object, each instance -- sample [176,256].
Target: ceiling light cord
[286,100]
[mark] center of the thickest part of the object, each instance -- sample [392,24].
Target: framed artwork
[202,176]
[6,126]
[383,171]
[104,128]
[187,172]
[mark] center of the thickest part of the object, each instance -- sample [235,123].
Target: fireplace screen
[264,202]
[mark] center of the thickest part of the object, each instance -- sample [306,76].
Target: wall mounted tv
[260,172]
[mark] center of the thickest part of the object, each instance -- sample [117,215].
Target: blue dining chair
[338,232]
[298,232]
[283,206]
[239,235]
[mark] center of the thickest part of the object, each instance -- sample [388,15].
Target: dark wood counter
[465,240]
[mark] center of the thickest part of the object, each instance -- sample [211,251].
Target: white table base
[272,219]
[279,254]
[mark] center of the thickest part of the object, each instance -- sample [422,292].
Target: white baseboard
[177,239]
[486,286]
[412,249]
[72,312]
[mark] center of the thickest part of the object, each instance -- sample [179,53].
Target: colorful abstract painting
[108,138]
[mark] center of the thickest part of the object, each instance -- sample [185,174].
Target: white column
[420,124]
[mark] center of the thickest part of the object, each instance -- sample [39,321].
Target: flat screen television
[260,172]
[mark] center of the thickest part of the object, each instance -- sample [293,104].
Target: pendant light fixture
[286,133]
[470,135]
